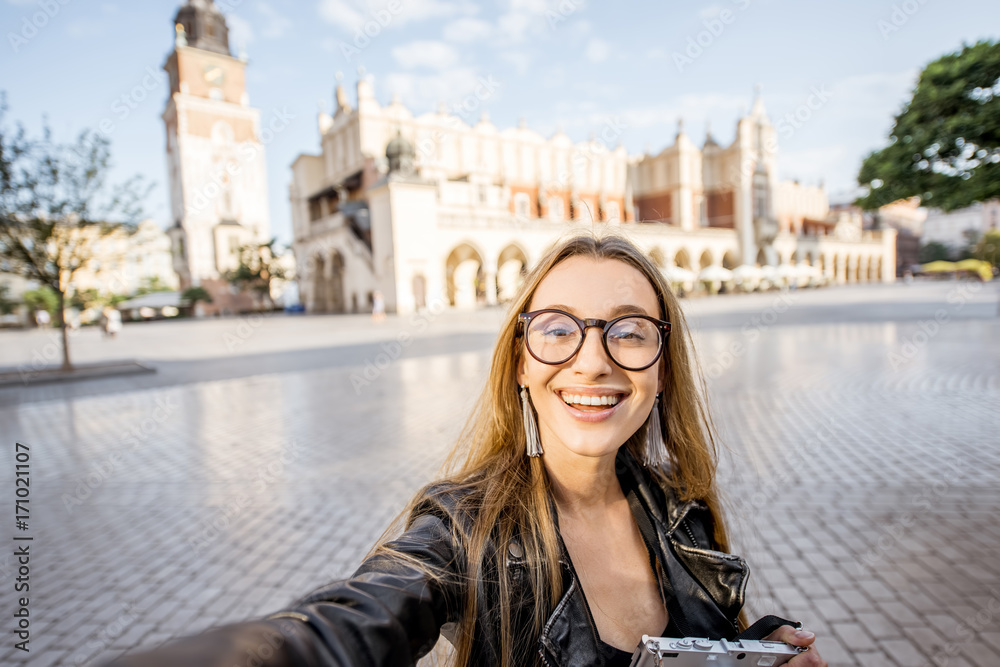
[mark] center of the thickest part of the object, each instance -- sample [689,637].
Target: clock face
[214,75]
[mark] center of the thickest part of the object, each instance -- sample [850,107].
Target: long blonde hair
[507,491]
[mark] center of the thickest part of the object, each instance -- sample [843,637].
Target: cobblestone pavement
[861,463]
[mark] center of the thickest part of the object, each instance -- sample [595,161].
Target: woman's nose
[592,358]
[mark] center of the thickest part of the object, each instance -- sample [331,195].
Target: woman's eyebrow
[622,309]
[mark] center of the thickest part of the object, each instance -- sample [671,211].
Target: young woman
[581,510]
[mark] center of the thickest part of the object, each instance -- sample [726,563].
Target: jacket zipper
[687,529]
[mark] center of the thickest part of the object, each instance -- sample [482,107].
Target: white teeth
[589,400]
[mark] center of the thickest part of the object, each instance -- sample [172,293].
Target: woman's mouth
[591,407]
[587,402]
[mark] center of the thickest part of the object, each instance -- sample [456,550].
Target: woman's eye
[558,332]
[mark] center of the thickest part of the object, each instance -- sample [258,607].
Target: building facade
[961,228]
[215,158]
[432,208]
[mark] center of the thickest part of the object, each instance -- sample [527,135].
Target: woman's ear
[520,371]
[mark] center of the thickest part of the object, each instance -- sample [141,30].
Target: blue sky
[844,68]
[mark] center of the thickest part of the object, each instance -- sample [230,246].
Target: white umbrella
[677,274]
[787,271]
[769,273]
[746,272]
[715,274]
[808,270]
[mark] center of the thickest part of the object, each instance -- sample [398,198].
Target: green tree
[932,251]
[84,299]
[988,248]
[43,298]
[259,267]
[945,144]
[152,284]
[192,295]
[7,304]
[56,204]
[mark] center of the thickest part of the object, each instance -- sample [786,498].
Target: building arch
[512,265]
[682,259]
[464,276]
[419,285]
[729,260]
[336,301]
[705,260]
[656,255]
[319,286]
[761,258]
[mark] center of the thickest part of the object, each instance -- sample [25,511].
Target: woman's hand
[790,635]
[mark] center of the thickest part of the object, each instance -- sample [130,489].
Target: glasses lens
[634,342]
[553,337]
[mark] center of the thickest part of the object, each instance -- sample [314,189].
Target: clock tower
[215,159]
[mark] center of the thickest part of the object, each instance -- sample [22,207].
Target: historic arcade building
[430,209]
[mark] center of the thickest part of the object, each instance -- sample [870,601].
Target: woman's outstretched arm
[390,612]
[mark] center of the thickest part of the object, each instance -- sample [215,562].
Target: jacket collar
[570,634]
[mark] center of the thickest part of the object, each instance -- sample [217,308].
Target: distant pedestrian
[42,318]
[378,306]
[111,321]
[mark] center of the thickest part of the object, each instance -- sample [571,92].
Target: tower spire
[204,26]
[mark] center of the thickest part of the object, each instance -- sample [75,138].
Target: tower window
[522,204]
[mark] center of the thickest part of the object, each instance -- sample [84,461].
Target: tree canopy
[56,205]
[945,144]
[259,267]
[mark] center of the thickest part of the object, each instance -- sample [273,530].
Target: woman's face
[601,289]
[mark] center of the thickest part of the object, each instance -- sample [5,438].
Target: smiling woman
[580,510]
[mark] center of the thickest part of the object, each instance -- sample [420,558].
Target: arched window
[522,205]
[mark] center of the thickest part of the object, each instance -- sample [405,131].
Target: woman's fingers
[790,635]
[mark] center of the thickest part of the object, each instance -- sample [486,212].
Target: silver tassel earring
[530,426]
[656,448]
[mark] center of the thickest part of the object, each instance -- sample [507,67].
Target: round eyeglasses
[553,337]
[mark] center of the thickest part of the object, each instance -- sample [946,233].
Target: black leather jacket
[391,613]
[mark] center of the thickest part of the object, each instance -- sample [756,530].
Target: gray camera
[695,652]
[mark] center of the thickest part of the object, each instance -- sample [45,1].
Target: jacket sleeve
[390,612]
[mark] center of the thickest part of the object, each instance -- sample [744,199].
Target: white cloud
[425,53]
[354,14]
[427,91]
[277,25]
[597,50]
[710,12]
[530,18]
[467,30]
[521,60]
